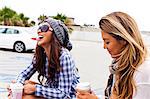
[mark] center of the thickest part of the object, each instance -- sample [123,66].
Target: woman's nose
[104,46]
[39,32]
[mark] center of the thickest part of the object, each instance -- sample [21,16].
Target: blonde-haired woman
[129,72]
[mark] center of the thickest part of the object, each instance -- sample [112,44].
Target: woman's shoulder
[145,66]
[142,75]
[65,54]
[66,58]
[64,51]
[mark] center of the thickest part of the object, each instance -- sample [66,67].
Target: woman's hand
[85,95]
[30,82]
[29,88]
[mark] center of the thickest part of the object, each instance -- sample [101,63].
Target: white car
[19,39]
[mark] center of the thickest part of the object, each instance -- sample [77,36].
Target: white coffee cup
[85,86]
[17,90]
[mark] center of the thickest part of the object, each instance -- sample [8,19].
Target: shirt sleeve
[142,81]
[26,74]
[143,91]
[65,81]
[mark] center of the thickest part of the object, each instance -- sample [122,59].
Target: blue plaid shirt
[63,86]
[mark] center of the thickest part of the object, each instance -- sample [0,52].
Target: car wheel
[19,47]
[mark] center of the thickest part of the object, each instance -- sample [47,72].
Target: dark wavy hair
[39,60]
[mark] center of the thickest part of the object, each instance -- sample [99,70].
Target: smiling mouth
[40,37]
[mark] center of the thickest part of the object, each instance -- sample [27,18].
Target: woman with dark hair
[52,60]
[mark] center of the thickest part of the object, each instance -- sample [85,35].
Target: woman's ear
[123,42]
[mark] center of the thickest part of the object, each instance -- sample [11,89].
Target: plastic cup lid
[16,86]
[84,86]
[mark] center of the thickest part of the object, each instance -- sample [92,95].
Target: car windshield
[2,30]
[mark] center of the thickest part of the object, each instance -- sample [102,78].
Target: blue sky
[84,11]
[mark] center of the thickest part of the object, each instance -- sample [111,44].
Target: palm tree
[42,18]
[16,21]
[64,19]
[6,14]
[32,23]
[60,17]
[24,19]
[10,17]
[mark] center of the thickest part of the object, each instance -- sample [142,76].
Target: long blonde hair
[120,24]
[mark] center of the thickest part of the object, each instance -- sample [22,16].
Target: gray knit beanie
[60,31]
